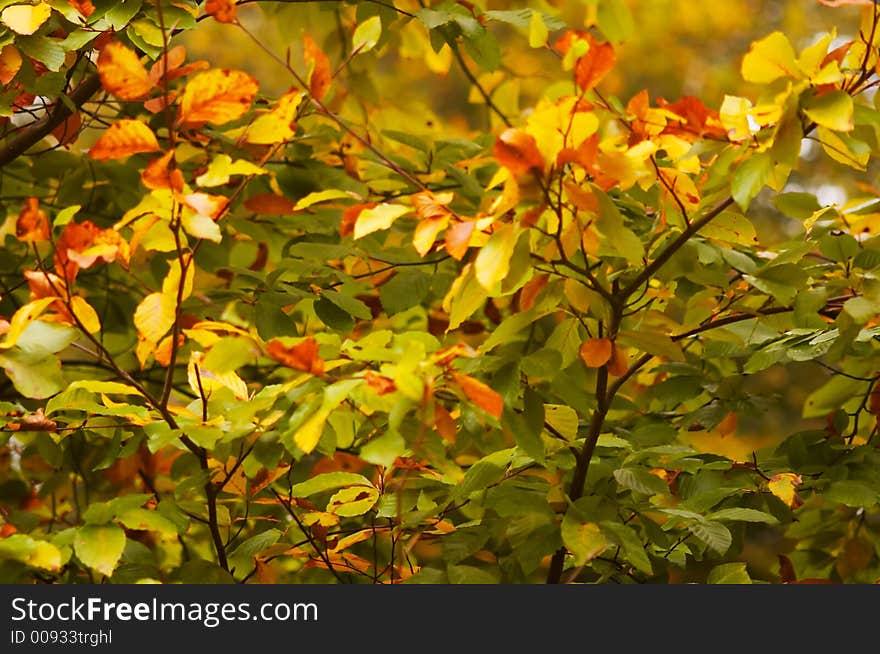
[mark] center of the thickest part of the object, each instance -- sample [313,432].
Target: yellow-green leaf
[493,260]
[222,167]
[320,196]
[22,318]
[833,110]
[844,149]
[100,546]
[353,501]
[538,31]
[367,35]
[199,226]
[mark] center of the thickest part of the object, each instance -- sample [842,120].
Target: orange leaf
[223,11]
[171,65]
[84,7]
[10,62]
[619,363]
[217,97]
[160,175]
[445,424]
[123,139]
[33,224]
[531,290]
[302,356]
[458,239]
[594,65]
[518,151]
[379,383]
[81,245]
[269,204]
[68,130]
[480,394]
[596,352]
[728,424]
[321,75]
[122,73]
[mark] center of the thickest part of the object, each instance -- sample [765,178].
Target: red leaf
[223,11]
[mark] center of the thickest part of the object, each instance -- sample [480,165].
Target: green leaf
[731,227]
[36,377]
[619,239]
[799,206]
[714,534]
[832,395]
[562,419]
[585,540]
[404,291]
[145,520]
[615,20]
[31,552]
[256,544]
[100,546]
[641,481]
[729,573]
[367,35]
[485,472]
[44,49]
[628,539]
[328,481]
[852,493]
[750,177]
[743,515]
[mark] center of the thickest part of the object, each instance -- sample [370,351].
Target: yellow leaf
[309,433]
[86,315]
[154,316]
[122,73]
[833,110]
[277,126]
[844,149]
[367,35]
[320,196]
[784,486]
[493,261]
[44,555]
[195,224]
[202,380]
[378,218]
[769,59]
[172,280]
[26,19]
[24,317]
[538,31]
[222,167]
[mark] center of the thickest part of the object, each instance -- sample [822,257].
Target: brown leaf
[302,356]
[36,421]
[269,204]
[123,139]
[320,75]
[480,394]
[122,73]
[32,225]
[518,151]
[531,290]
[596,352]
[594,65]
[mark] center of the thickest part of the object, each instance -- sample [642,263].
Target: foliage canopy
[318,334]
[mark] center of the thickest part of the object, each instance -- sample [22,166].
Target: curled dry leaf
[123,139]
[32,225]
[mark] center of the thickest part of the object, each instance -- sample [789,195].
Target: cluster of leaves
[257,338]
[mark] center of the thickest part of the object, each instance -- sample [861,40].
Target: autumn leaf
[302,356]
[728,424]
[160,174]
[81,245]
[784,486]
[480,394]
[458,239]
[847,3]
[122,73]
[596,352]
[10,63]
[32,225]
[592,67]
[223,11]
[270,204]
[154,316]
[379,217]
[84,7]
[320,74]
[217,97]
[123,139]
[518,151]
[619,362]
[278,125]
[26,19]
